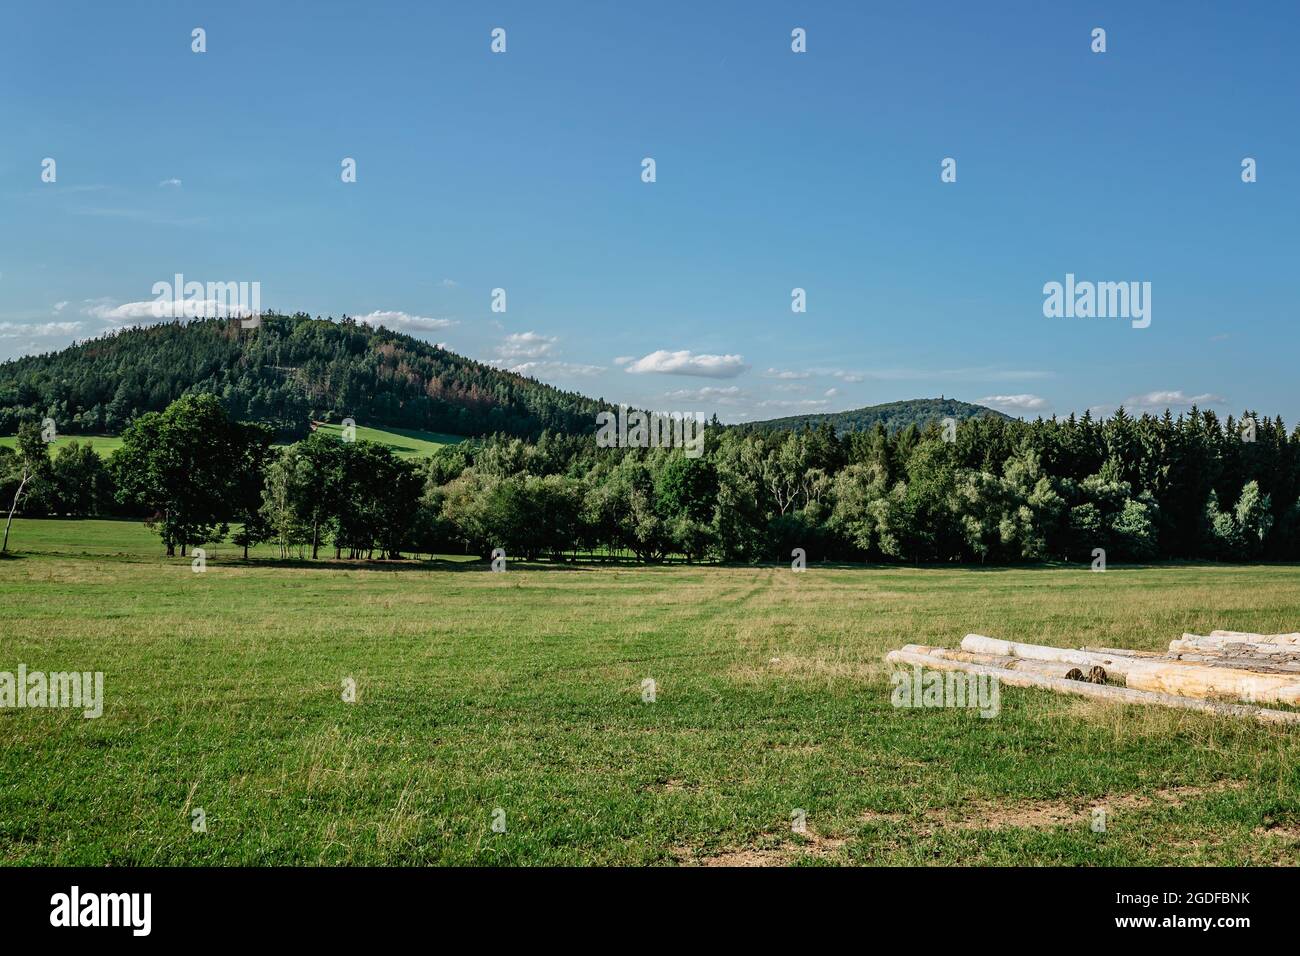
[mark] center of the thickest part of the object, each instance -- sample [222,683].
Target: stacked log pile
[1230,673]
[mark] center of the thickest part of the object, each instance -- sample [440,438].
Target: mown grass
[404,442]
[523,691]
[104,445]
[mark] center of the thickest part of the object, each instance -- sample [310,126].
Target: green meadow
[405,442]
[104,445]
[521,699]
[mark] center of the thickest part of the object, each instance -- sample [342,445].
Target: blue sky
[775,170]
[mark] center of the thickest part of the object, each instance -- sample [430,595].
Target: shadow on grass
[597,564]
[1084,566]
[440,564]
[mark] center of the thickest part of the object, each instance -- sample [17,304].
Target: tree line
[987,490]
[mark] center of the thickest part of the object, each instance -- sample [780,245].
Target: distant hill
[290,371]
[895,416]
[294,370]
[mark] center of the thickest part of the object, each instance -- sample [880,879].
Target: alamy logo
[215,300]
[1100,300]
[636,429]
[103,909]
[57,690]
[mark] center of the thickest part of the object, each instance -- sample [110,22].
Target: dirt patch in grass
[1289,834]
[982,815]
[808,845]
[1044,814]
[777,856]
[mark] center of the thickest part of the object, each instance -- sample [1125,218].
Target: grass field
[405,443]
[523,692]
[104,445]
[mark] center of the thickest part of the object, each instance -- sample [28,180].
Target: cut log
[1170,677]
[1048,669]
[1196,644]
[1122,652]
[1275,652]
[979,644]
[1293,638]
[1264,663]
[1208,647]
[1122,695]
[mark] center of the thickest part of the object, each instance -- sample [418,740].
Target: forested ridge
[291,370]
[295,369]
[894,416]
[989,490]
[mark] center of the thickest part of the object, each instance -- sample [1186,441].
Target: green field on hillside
[404,442]
[104,445]
[519,698]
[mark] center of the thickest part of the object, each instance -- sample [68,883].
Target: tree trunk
[1292,638]
[14,507]
[1209,648]
[1173,677]
[1122,695]
[1260,644]
[1020,664]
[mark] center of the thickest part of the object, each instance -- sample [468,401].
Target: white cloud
[687,363]
[533,354]
[720,395]
[1019,403]
[104,309]
[404,321]
[171,182]
[785,374]
[831,392]
[624,359]
[15,330]
[1171,399]
[60,306]
[549,369]
[526,345]
[449,283]
[159,309]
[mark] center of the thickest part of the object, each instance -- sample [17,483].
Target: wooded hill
[894,416]
[294,369]
[291,370]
